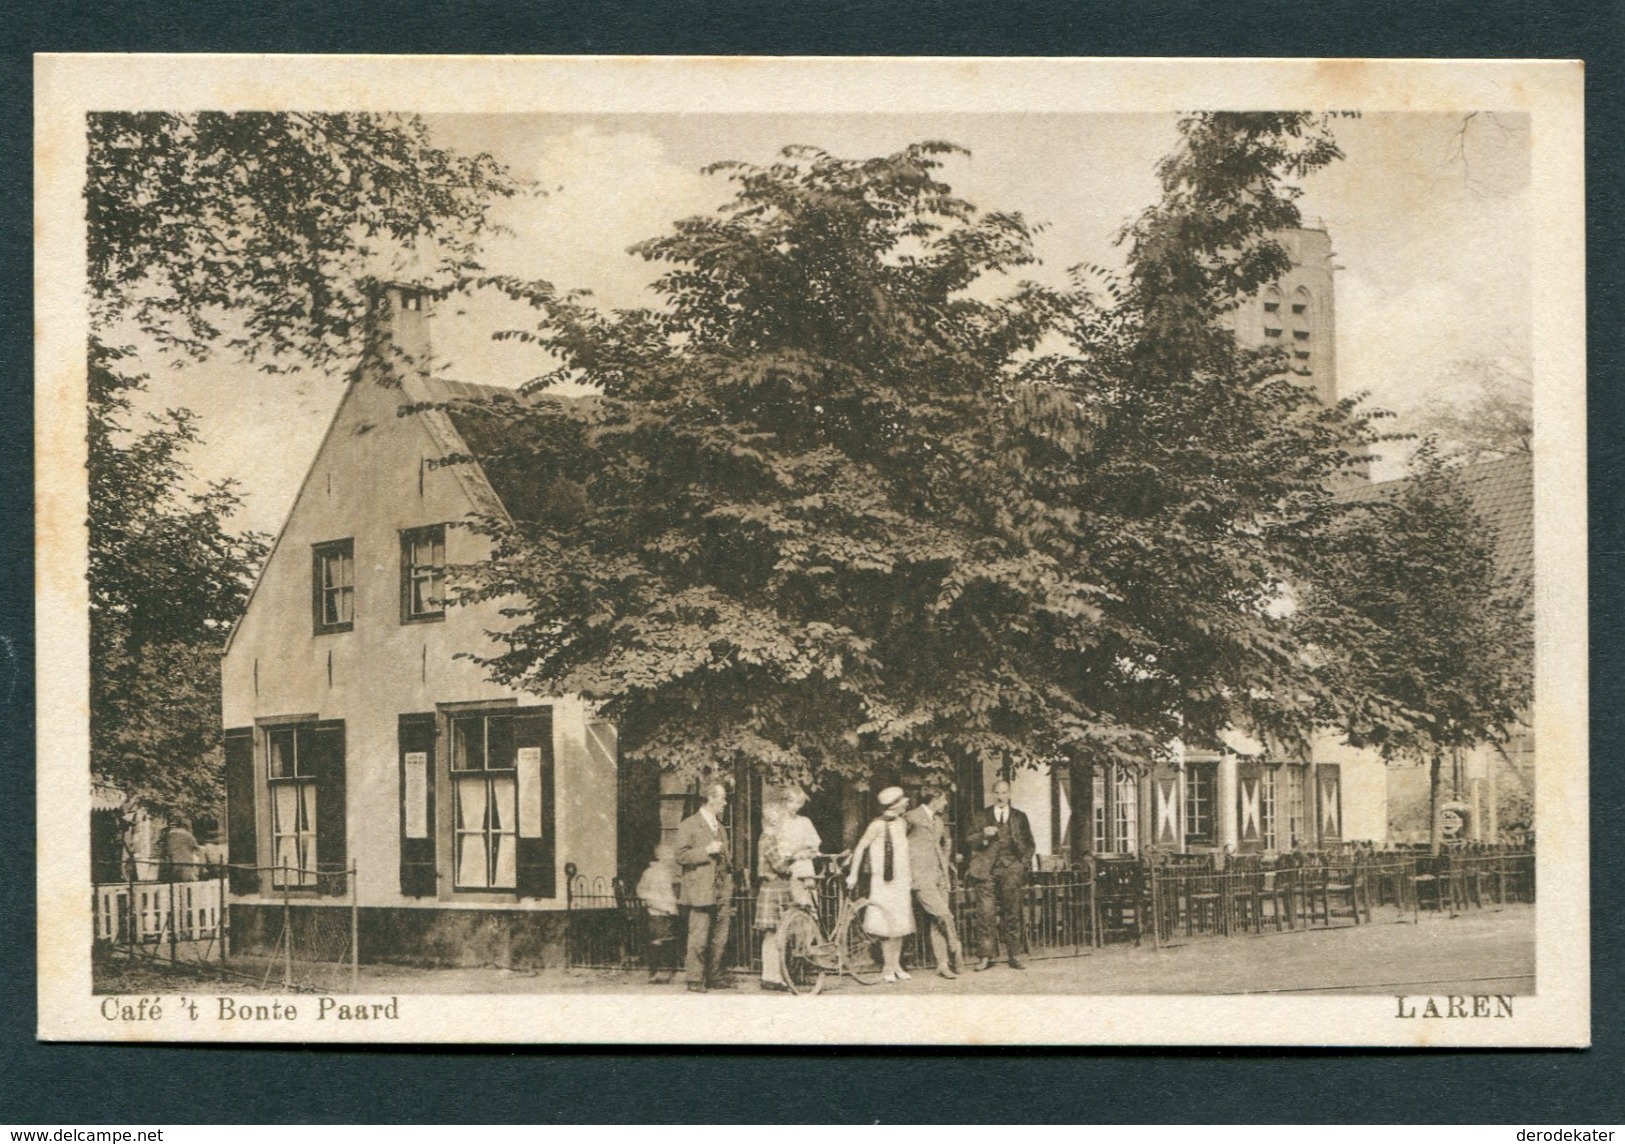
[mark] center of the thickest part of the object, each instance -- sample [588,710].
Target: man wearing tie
[1001,849]
[704,857]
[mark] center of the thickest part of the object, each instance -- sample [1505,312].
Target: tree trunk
[1435,776]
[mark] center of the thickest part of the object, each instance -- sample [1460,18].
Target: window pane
[471,871]
[285,808]
[1266,809]
[281,748]
[287,859]
[1098,784]
[502,805]
[468,744]
[471,803]
[506,847]
[1128,799]
[499,744]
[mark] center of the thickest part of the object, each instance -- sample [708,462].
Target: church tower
[1298,312]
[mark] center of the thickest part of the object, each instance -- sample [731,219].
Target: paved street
[1489,951]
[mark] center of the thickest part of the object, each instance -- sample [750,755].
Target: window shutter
[1329,801]
[533,754]
[1250,806]
[332,851]
[241,842]
[417,741]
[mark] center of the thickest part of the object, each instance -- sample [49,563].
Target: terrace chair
[1432,886]
[1468,869]
[1277,895]
[1121,899]
[1243,886]
[1345,889]
[1387,877]
[1196,892]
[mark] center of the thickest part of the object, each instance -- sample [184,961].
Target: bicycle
[807,954]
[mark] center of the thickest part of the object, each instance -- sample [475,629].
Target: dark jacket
[1011,847]
[707,878]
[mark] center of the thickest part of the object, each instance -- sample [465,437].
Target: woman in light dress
[788,844]
[890,913]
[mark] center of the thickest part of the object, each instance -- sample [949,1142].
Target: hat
[890,795]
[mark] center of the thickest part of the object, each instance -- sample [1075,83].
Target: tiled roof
[1503,493]
[491,438]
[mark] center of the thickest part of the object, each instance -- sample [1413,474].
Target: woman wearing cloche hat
[884,846]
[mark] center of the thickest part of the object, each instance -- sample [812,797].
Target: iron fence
[1161,899]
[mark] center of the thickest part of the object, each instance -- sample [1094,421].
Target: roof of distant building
[1503,493]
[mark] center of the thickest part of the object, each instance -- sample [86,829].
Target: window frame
[1125,817]
[488,833]
[1115,810]
[1268,835]
[1199,820]
[305,817]
[410,538]
[1296,805]
[344,551]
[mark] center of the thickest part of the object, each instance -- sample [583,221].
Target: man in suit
[707,883]
[929,863]
[1001,850]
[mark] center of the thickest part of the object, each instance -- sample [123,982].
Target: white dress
[891,908]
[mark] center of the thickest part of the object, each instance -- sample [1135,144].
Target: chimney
[401,325]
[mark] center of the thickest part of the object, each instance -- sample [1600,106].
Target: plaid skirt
[771,902]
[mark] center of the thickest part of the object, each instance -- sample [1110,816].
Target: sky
[1429,216]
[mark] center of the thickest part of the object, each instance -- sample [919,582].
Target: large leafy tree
[1432,643]
[801,540]
[257,234]
[167,579]
[1198,472]
[843,505]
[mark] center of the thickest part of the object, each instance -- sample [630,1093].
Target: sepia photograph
[791,551]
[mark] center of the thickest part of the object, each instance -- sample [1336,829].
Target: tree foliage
[844,507]
[1497,419]
[1442,647]
[167,579]
[1205,485]
[258,231]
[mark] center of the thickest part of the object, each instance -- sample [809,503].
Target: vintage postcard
[811,551]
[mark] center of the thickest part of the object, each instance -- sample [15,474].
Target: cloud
[603,191]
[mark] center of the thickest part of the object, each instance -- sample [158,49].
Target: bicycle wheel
[859,956]
[799,942]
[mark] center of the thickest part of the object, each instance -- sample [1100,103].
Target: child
[658,891]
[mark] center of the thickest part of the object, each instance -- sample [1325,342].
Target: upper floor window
[333,584]
[423,573]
